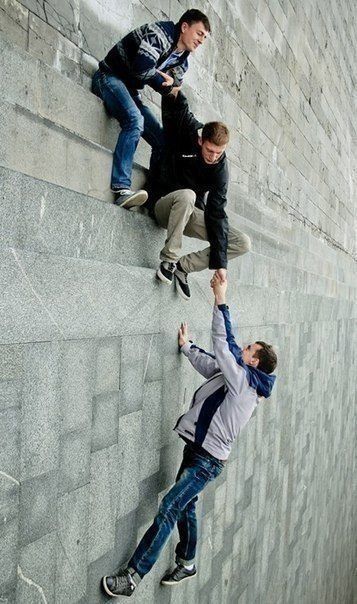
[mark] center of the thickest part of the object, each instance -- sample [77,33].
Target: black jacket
[183,167]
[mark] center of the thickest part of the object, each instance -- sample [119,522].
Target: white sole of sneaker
[171,583]
[135,200]
[106,589]
[162,277]
[180,292]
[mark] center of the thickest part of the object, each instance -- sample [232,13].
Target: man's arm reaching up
[226,350]
[204,362]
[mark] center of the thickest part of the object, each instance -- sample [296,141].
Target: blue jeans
[135,120]
[178,505]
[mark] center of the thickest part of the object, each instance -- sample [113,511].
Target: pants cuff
[184,562]
[182,263]
[135,575]
[164,258]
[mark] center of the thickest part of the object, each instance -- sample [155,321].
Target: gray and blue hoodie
[222,406]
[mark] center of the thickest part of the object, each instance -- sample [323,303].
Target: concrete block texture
[91,382]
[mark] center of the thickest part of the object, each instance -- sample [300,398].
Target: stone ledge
[45,92]
[56,298]
[48,219]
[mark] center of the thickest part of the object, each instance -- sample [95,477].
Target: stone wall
[91,381]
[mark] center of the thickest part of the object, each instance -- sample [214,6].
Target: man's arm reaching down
[143,66]
[177,119]
[204,362]
[217,224]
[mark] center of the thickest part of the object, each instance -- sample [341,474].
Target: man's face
[192,36]
[248,354]
[211,152]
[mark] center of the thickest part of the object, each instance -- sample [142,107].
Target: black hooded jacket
[183,167]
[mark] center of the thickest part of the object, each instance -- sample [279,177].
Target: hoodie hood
[260,381]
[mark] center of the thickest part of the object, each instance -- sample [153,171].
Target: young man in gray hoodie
[235,380]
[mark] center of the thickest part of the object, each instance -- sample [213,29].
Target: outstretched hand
[183,334]
[219,289]
[221,273]
[168,79]
[175,90]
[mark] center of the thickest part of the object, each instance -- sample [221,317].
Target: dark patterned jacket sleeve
[144,65]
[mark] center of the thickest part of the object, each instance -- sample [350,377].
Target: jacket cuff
[186,348]
[217,261]
[165,90]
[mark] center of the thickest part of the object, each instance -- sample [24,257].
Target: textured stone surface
[38,564]
[75,459]
[71,580]
[91,383]
[38,507]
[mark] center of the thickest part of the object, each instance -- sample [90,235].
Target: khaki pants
[177,213]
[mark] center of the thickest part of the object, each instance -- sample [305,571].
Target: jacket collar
[260,381]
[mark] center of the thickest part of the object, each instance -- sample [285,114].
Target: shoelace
[123,581]
[178,570]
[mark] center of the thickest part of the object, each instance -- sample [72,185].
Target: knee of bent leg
[246,244]
[241,243]
[134,121]
[188,196]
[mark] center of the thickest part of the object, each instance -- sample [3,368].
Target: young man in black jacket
[155,54]
[189,195]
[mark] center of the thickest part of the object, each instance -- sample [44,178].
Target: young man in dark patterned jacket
[155,54]
[236,379]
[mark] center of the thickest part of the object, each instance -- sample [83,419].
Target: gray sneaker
[125,198]
[120,584]
[177,575]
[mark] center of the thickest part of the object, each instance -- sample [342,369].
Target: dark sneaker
[181,283]
[177,575]
[120,584]
[165,272]
[125,198]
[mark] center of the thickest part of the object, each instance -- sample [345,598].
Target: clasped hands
[169,81]
[219,286]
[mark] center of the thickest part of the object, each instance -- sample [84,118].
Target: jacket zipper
[194,396]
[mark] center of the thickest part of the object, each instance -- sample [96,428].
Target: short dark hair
[267,357]
[215,132]
[194,16]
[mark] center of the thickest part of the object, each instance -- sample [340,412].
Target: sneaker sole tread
[177,582]
[134,201]
[106,589]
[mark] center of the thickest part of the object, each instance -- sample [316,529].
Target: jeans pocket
[208,471]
